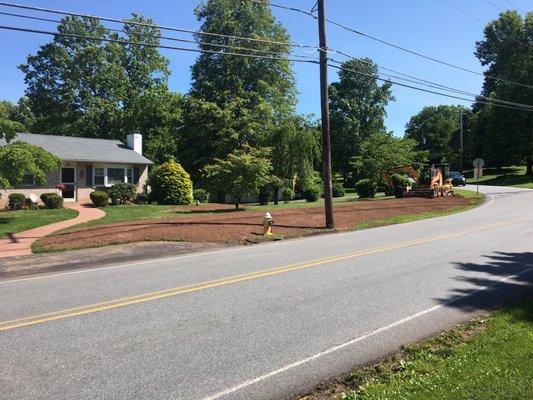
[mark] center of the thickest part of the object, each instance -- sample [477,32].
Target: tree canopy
[357,105]
[15,118]
[235,100]
[93,88]
[19,158]
[243,172]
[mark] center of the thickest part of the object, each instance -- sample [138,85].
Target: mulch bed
[221,224]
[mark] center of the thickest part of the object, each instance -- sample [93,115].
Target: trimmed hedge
[338,190]
[400,180]
[16,201]
[312,193]
[365,188]
[122,193]
[170,184]
[52,201]
[99,198]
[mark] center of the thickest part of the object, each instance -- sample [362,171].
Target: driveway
[262,322]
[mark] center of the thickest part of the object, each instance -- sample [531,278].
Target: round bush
[200,195]
[312,193]
[53,201]
[264,195]
[170,184]
[99,198]
[287,194]
[16,201]
[338,190]
[121,192]
[365,188]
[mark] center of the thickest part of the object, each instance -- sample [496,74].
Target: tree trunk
[529,167]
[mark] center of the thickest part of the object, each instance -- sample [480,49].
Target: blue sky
[427,26]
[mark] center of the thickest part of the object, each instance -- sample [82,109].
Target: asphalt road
[260,322]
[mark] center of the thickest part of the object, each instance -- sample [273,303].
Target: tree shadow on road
[506,277]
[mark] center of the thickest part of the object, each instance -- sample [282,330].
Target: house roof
[70,148]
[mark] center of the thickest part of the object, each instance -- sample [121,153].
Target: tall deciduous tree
[357,104]
[15,118]
[506,51]
[93,88]
[436,129]
[235,100]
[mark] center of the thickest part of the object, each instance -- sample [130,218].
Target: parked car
[457,178]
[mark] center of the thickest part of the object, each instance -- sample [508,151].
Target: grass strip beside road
[23,220]
[474,200]
[489,358]
[508,176]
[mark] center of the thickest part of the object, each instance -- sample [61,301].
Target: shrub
[264,195]
[99,198]
[365,188]
[312,193]
[44,195]
[287,194]
[16,201]
[399,180]
[53,200]
[121,193]
[141,198]
[338,190]
[200,195]
[170,184]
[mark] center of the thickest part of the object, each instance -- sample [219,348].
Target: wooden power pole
[324,101]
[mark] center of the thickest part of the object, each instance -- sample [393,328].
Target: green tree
[357,104]
[243,172]
[19,158]
[506,52]
[92,88]
[436,129]
[15,118]
[383,150]
[296,150]
[235,100]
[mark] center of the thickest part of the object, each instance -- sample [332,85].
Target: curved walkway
[19,244]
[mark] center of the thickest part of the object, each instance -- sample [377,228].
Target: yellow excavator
[429,183]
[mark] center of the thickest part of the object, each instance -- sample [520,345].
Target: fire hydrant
[268,221]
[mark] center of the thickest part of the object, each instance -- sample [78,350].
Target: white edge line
[349,343]
[208,253]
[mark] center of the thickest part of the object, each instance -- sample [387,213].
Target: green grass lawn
[490,358]
[507,176]
[474,201]
[22,220]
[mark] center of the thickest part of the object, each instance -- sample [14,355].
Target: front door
[68,179]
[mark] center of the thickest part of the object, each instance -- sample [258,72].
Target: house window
[115,175]
[99,177]
[28,179]
[129,177]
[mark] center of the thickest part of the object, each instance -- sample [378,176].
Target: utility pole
[461,141]
[324,102]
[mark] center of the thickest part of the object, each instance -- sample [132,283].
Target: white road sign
[478,163]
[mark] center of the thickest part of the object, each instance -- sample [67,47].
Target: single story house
[86,164]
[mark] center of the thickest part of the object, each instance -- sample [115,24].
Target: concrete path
[260,322]
[20,243]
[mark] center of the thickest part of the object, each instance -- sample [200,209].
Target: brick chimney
[135,141]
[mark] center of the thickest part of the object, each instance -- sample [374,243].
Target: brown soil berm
[224,225]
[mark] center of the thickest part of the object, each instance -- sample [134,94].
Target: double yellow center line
[143,298]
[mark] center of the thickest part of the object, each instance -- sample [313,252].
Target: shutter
[136,176]
[89,176]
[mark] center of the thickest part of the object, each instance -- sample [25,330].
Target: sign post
[478,172]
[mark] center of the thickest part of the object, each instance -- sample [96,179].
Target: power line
[494,5]
[398,47]
[121,41]
[162,27]
[515,6]
[163,37]
[416,80]
[427,91]
[484,23]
